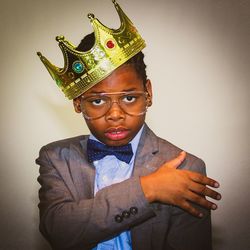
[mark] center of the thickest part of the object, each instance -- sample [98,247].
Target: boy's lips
[116,134]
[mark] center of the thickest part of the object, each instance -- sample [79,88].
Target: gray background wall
[198,61]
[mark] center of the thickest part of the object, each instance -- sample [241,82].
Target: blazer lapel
[145,163]
[82,172]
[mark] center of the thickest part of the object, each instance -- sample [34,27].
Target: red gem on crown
[110,44]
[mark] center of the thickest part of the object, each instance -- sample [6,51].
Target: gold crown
[112,48]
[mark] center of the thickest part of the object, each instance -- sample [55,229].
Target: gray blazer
[72,218]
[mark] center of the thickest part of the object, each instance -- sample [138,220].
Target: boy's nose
[115,112]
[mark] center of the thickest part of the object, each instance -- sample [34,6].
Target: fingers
[174,163]
[190,209]
[205,191]
[197,194]
[203,180]
[199,200]
[199,185]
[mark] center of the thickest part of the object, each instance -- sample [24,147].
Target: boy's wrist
[147,188]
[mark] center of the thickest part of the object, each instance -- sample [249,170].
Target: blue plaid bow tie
[97,151]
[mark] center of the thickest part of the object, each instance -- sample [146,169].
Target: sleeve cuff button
[118,218]
[125,214]
[133,210]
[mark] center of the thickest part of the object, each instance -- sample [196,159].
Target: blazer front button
[133,210]
[118,218]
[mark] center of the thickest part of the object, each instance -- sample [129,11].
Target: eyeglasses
[133,103]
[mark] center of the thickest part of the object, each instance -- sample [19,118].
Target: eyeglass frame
[146,95]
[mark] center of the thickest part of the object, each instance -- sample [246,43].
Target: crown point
[91,16]
[59,38]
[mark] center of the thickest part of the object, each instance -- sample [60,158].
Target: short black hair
[136,61]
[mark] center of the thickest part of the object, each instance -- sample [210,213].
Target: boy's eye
[97,101]
[129,98]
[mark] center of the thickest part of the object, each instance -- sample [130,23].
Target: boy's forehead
[124,78]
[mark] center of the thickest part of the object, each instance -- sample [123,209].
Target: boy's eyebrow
[128,90]
[101,92]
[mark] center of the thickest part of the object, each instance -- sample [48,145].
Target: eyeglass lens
[97,105]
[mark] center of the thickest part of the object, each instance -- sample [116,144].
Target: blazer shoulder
[159,144]
[61,149]
[167,151]
[65,143]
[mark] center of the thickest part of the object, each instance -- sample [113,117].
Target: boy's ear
[77,105]
[149,91]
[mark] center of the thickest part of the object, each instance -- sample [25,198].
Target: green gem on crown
[78,67]
[58,82]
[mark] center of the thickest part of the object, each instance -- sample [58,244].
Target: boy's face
[116,127]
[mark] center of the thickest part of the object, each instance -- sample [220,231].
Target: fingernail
[216,184]
[214,206]
[218,196]
[200,215]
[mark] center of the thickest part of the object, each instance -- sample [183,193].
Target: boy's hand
[179,187]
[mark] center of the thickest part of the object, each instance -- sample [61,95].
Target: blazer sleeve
[186,231]
[71,223]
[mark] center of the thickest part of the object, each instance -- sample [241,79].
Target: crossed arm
[180,187]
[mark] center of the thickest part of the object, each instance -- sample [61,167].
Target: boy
[118,188]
